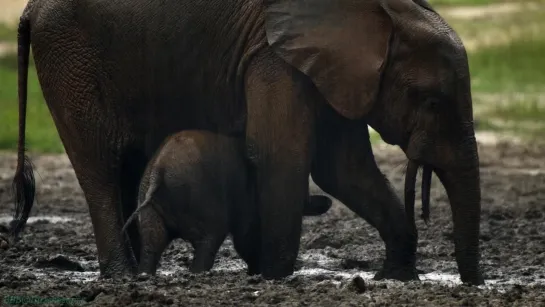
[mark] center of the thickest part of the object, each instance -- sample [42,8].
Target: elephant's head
[397,64]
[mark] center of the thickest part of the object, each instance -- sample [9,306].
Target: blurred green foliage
[508,78]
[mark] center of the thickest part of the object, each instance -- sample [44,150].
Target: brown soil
[335,247]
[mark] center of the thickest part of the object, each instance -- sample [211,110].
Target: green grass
[473,2]
[521,111]
[8,34]
[516,67]
[527,21]
[461,2]
[41,133]
[524,117]
[514,128]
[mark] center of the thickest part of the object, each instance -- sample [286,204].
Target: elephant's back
[176,59]
[210,164]
[219,157]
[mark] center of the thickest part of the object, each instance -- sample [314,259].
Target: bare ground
[335,248]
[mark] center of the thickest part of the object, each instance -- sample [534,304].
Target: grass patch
[516,67]
[524,117]
[474,2]
[374,137]
[521,111]
[41,133]
[461,2]
[515,64]
[525,132]
[499,29]
[7,33]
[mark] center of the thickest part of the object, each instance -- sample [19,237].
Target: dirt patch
[484,11]
[11,10]
[7,48]
[56,260]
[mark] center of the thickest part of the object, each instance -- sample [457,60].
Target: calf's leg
[154,239]
[205,252]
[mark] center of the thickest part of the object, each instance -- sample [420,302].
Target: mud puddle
[57,256]
[312,264]
[5,219]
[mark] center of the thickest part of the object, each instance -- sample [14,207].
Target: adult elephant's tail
[23,183]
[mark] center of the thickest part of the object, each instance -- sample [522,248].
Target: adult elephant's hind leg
[132,168]
[97,165]
[344,166]
[102,189]
[86,113]
[278,137]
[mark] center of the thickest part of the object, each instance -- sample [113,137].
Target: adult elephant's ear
[342,45]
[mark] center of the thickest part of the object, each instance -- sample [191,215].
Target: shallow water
[5,219]
[309,269]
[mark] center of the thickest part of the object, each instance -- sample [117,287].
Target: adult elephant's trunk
[464,193]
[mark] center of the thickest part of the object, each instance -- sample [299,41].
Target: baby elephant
[196,188]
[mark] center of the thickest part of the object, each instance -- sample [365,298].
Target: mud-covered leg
[247,244]
[205,253]
[344,166]
[133,166]
[154,239]
[102,194]
[97,166]
[93,139]
[279,131]
[245,228]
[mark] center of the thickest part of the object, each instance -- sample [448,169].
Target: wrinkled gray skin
[298,80]
[196,188]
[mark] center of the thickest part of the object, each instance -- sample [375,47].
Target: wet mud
[56,262]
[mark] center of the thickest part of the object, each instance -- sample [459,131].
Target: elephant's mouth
[410,183]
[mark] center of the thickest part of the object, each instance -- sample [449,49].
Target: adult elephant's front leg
[344,166]
[279,129]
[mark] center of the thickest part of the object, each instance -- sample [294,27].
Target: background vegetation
[507,61]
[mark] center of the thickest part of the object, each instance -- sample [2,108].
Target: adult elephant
[299,79]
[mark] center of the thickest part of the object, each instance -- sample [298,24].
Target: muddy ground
[335,248]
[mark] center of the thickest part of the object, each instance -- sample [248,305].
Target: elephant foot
[253,270]
[143,276]
[119,276]
[276,273]
[123,276]
[119,271]
[474,279]
[397,273]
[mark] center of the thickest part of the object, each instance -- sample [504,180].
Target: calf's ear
[342,45]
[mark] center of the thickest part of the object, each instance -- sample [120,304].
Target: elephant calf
[196,188]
